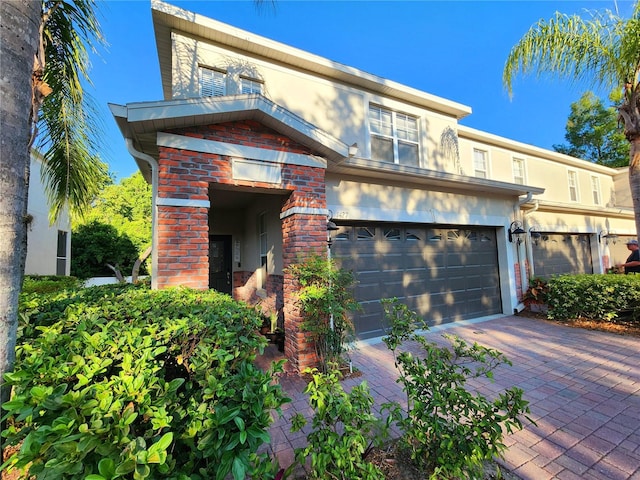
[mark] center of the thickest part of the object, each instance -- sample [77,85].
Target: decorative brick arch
[182,213]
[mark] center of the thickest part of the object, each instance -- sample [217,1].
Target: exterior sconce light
[516,230]
[331,227]
[535,236]
[609,237]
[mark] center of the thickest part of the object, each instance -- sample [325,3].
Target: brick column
[302,235]
[183,247]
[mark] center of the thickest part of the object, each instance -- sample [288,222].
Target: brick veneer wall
[183,232]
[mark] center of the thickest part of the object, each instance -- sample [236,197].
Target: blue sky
[453,49]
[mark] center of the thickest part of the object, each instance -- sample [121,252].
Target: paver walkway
[583,388]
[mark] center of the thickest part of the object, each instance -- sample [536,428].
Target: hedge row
[594,296]
[124,382]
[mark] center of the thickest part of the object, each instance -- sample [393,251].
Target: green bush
[123,382]
[343,430]
[449,429]
[325,299]
[48,283]
[96,244]
[594,296]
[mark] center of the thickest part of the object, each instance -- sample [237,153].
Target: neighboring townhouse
[258,145]
[48,245]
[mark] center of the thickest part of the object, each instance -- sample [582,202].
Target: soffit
[441,181]
[168,18]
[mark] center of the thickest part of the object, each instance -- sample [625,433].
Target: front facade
[257,145]
[48,244]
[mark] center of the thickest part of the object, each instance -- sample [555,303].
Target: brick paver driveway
[583,388]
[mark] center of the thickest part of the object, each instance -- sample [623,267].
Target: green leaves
[123,382]
[448,428]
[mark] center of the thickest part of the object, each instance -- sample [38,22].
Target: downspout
[154,195]
[536,205]
[528,252]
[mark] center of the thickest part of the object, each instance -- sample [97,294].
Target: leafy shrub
[48,283]
[124,382]
[594,296]
[538,291]
[343,430]
[448,429]
[96,244]
[325,299]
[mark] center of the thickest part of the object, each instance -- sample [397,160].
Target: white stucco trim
[350,213]
[182,202]
[304,211]
[230,149]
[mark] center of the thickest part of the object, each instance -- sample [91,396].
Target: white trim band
[234,150]
[182,202]
[304,211]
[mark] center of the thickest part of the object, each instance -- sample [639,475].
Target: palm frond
[68,123]
[570,48]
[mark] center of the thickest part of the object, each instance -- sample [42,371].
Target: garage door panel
[557,254]
[444,274]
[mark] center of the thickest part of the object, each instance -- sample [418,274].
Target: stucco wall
[42,243]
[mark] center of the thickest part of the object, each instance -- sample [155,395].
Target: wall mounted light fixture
[535,235]
[608,237]
[516,231]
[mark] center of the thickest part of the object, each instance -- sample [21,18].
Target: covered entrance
[444,274]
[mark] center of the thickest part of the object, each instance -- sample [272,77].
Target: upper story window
[250,85]
[572,177]
[480,163]
[394,136]
[595,189]
[213,83]
[518,171]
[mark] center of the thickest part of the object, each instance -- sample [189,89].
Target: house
[48,245]
[256,145]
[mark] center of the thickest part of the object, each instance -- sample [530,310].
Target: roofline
[168,18]
[144,118]
[525,148]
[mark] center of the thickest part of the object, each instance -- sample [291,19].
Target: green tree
[43,47]
[604,50]
[592,133]
[127,207]
[95,246]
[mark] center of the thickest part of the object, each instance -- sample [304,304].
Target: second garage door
[444,274]
[559,253]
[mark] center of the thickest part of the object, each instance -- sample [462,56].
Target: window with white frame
[518,171]
[213,83]
[250,85]
[572,177]
[394,136]
[263,250]
[480,163]
[595,189]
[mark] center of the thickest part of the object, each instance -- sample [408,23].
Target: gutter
[154,195]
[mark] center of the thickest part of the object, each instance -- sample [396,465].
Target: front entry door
[220,263]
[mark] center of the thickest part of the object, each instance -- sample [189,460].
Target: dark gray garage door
[444,274]
[558,253]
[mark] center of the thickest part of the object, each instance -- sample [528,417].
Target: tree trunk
[136,266]
[19,32]
[634,179]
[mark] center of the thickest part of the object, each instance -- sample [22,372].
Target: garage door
[444,274]
[558,253]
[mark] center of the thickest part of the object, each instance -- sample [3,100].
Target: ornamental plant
[123,382]
[448,428]
[325,299]
[343,430]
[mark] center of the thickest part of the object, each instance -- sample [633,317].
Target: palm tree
[43,46]
[605,51]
